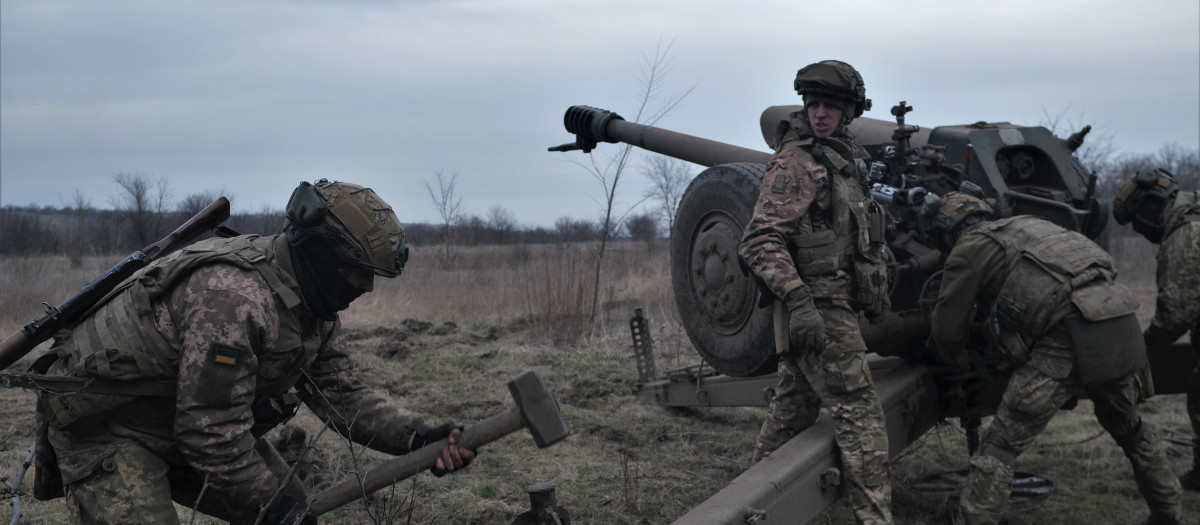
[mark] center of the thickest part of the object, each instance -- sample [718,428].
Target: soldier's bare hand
[453,456]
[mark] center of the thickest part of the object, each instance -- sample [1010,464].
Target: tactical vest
[118,343]
[852,239]
[1048,266]
[1185,209]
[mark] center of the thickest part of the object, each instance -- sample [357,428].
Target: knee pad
[997,446]
[1131,433]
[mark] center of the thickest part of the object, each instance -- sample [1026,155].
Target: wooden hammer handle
[414,462]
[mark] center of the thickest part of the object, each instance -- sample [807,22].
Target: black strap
[67,384]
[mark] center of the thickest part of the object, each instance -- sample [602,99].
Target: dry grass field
[444,338]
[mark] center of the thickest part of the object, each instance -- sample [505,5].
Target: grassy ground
[445,338]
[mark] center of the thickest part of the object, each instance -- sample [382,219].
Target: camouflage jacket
[1033,274]
[806,196]
[1178,302]
[223,318]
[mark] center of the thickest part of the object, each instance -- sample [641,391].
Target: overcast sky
[251,97]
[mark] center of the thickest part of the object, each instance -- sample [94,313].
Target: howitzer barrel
[593,125]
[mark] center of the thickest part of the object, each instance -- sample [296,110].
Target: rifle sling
[67,384]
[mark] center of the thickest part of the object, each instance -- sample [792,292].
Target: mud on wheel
[716,299]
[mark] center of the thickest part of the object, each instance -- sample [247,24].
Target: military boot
[1191,479]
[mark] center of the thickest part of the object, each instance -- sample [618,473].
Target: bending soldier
[209,342]
[1056,318]
[810,242]
[1169,217]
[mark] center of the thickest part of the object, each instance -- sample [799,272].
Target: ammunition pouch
[871,285]
[820,253]
[1002,329]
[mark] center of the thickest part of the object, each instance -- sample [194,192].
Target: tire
[716,299]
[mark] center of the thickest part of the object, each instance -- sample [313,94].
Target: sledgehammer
[535,408]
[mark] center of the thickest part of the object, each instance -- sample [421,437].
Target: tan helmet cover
[1153,184]
[957,207]
[371,222]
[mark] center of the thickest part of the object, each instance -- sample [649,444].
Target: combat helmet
[837,79]
[334,228]
[360,227]
[1142,199]
[959,211]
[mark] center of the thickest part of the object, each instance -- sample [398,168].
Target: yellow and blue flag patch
[224,355]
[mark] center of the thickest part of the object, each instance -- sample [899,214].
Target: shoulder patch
[780,184]
[225,355]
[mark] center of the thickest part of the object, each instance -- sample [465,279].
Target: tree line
[143,212]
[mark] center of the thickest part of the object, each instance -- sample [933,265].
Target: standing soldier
[204,347]
[1164,215]
[1055,317]
[810,240]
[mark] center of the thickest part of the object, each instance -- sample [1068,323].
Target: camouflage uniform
[224,322]
[1178,302]
[1052,326]
[809,228]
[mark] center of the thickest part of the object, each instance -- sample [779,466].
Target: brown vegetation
[445,337]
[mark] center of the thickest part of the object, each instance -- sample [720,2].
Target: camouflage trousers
[838,378]
[1193,397]
[1027,406]
[110,479]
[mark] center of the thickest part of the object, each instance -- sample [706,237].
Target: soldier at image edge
[811,242]
[1166,216]
[215,344]
[1056,319]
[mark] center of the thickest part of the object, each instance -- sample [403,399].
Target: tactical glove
[806,329]
[426,434]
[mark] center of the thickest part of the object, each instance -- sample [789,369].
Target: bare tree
[143,202]
[79,237]
[669,177]
[643,227]
[608,173]
[189,206]
[447,203]
[575,230]
[501,221]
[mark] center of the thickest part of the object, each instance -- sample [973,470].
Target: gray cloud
[251,97]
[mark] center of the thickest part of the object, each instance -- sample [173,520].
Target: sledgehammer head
[539,410]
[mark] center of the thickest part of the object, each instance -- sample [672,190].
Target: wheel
[716,299]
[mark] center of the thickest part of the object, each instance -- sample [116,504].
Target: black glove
[426,434]
[285,510]
[806,329]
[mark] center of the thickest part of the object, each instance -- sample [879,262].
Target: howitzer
[1021,170]
[72,311]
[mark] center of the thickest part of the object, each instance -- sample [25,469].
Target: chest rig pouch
[853,238]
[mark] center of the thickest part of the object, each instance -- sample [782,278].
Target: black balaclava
[322,281]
